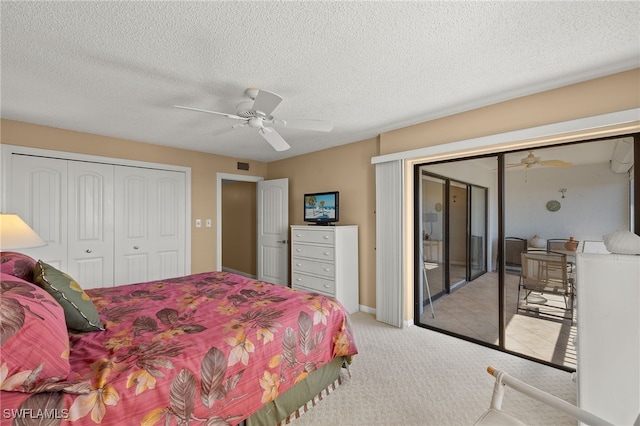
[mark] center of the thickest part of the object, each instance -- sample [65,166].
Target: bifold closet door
[37,192]
[91,223]
[70,205]
[150,224]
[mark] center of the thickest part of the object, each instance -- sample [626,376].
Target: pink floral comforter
[208,348]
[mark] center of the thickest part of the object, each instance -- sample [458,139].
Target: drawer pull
[327,286]
[299,279]
[326,269]
[326,253]
[298,250]
[326,237]
[88,250]
[298,235]
[298,264]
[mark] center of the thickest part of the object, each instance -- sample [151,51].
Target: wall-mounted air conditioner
[622,158]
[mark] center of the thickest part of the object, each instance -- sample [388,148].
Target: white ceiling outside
[116,68]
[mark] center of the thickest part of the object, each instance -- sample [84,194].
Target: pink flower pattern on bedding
[209,348]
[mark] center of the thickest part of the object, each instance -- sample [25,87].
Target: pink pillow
[17,264]
[33,337]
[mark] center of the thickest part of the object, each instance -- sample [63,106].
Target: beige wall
[239,230]
[616,92]
[347,169]
[203,171]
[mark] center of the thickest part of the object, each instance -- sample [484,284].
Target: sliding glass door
[467,209]
[453,233]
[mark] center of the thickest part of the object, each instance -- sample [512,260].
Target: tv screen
[322,208]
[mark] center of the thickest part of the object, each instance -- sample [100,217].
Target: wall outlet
[208,223]
[198,223]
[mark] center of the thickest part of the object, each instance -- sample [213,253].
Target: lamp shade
[16,234]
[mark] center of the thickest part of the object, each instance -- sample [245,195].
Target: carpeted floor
[414,376]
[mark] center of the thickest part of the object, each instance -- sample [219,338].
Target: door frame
[219,178]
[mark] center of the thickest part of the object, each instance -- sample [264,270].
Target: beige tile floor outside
[472,310]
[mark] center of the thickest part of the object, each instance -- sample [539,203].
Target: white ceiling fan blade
[266,102]
[305,124]
[210,112]
[274,138]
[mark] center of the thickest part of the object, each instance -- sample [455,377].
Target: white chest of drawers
[324,259]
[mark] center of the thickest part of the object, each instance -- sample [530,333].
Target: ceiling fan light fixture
[256,122]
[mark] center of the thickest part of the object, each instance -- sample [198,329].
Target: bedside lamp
[16,234]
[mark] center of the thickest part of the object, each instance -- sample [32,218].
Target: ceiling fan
[256,113]
[531,160]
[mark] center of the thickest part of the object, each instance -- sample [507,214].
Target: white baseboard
[244,274]
[367,309]
[372,311]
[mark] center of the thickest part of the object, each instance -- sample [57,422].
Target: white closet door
[168,232]
[150,224]
[91,223]
[39,196]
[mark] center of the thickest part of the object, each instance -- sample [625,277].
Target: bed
[211,348]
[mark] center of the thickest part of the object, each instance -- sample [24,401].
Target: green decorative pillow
[79,312]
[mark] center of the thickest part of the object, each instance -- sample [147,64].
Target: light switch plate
[208,223]
[198,223]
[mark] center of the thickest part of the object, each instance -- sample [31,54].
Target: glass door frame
[470,202]
[446,240]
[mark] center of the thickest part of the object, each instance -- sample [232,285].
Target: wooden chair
[545,273]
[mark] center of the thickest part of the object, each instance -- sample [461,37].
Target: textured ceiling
[116,68]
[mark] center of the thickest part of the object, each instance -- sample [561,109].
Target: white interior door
[273,231]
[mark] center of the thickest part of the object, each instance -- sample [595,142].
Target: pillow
[31,319]
[79,311]
[622,242]
[17,264]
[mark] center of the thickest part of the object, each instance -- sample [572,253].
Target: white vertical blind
[389,246]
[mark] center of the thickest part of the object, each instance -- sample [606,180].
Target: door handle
[283,242]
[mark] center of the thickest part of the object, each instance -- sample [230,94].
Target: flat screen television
[322,208]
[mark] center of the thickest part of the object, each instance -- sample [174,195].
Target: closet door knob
[136,247]
[88,250]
